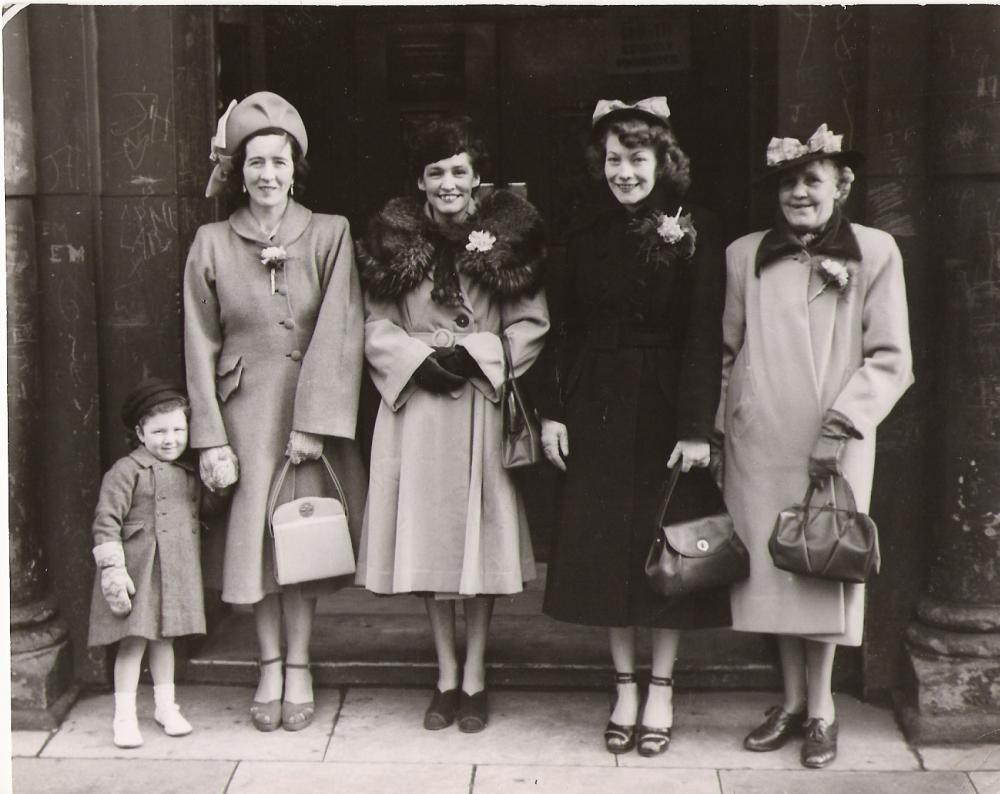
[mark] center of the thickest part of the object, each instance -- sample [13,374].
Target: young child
[148,586]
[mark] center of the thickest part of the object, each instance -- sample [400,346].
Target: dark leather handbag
[521,438]
[695,555]
[826,539]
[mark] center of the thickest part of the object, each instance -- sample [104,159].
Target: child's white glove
[219,467]
[303,446]
[116,584]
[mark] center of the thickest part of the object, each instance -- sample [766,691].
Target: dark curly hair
[443,138]
[234,183]
[672,164]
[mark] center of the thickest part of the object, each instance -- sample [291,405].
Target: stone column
[41,666]
[953,644]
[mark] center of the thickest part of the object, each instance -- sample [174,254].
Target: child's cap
[148,393]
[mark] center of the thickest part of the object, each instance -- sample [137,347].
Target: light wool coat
[151,507]
[785,362]
[260,364]
[443,515]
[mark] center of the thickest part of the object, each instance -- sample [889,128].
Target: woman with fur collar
[444,275]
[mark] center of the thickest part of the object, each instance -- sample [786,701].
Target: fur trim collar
[402,246]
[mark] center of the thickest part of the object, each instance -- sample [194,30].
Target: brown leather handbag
[521,438]
[826,539]
[695,555]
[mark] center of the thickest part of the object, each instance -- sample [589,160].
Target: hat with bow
[259,111]
[785,154]
[654,108]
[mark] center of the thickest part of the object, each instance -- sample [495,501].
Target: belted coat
[634,370]
[151,507]
[443,515]
[262,363]
[792,350]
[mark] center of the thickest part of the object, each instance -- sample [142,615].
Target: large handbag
[690,556]
[520,437]
[310,534]
[826,539]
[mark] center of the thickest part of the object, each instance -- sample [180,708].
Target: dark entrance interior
[361,78]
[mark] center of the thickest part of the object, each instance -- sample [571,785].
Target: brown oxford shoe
[773,732]
[820,747]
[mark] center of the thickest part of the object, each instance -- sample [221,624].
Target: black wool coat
[634,367]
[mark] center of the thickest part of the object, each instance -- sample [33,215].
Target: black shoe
[773,732]
[653,741]
[441,712]
[473,712]
[820,747]
[620,738]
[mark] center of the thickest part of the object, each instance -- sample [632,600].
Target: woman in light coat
[273,334]
[816,353]
[445,275]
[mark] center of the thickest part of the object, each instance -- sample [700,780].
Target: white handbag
[310,534]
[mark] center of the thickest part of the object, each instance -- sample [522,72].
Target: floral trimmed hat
[785,154]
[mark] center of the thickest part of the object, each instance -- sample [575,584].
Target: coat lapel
[292,226]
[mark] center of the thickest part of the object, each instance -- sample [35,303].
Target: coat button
[281,291]
[288,322]
[295,355]
[462,321]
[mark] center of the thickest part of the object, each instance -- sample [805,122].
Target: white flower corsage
[273,258]
[480,241]
[833,273]
[667,237]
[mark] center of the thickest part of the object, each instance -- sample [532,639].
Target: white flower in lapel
[835,273]
[480,241]
[273,258]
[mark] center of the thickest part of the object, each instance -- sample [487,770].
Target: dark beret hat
[151,391]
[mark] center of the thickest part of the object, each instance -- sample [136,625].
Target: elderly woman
[446,275]
[633,391]
[817,352]
[273,331]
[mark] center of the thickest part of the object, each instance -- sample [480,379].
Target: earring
[244,186]
[291,190]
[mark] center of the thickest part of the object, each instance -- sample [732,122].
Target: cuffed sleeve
[114,502]
[393,355]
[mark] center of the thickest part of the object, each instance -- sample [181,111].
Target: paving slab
[824,781]
[525,727]
[967,758]
[709,728]
[222,729]
[28,743]
[501,779]
[986,782]
[350,778]
[89,776]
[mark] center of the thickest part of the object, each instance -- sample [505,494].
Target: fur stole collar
[403,246]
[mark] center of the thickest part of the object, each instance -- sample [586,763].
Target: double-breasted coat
[634,370]
[792,350]
[262,363]
[151,507]
[443,515]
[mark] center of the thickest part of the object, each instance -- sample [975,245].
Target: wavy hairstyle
[442,138]
[636,129]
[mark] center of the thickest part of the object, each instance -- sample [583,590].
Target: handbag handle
[279,482]
[509,380]
[668,491]
[847,493]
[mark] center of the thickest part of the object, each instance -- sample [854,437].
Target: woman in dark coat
[633,389]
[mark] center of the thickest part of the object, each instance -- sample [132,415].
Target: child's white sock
[167,712]
[126,725]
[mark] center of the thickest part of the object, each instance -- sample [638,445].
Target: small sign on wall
[660,43]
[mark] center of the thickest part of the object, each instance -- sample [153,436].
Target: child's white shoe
[169,716]
[126,732]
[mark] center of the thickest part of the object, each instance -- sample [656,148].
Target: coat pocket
[129,528]
[227,376]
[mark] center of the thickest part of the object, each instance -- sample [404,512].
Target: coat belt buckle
[443,337]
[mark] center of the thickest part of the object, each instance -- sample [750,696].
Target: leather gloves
[219,467]
[303,446]
[457,360]
[116,584]
[433,377]
[826,455]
